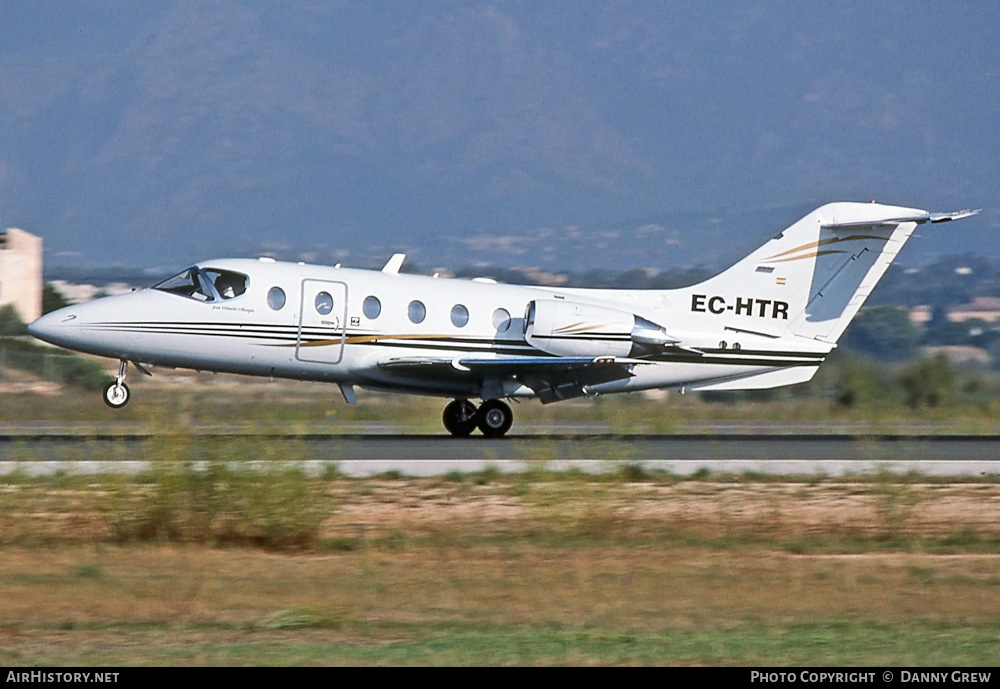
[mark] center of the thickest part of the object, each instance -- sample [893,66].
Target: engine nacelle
[567,328]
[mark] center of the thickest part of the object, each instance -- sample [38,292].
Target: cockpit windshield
[205,284]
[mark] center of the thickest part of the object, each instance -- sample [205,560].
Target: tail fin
[822,268]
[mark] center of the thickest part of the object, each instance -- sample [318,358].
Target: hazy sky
[565,134]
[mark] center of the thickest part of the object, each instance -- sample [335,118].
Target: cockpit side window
[187,284]
[227,284]
[205,285]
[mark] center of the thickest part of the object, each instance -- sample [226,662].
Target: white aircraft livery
[770,320]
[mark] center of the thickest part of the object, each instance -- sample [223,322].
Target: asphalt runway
[49,449]
[591,447]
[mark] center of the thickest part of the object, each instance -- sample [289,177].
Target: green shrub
[884,332]
[81,373]
[928,382]
[53,364]
[198,491]
[861,384]
[11,324]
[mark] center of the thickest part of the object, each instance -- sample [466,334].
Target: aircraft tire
[494,418]
[116,395]
[460,418]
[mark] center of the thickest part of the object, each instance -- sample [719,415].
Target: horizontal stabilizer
[957,215]
[889,222]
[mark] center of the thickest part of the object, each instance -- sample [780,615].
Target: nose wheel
[116,393]
[494,418]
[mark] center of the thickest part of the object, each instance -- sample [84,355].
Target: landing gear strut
[493,418]
[116,393]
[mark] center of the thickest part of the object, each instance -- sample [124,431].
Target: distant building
[983,308]
[961,355]
[921,315]
[76,293]
[21,273]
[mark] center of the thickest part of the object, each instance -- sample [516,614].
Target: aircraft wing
[551,378]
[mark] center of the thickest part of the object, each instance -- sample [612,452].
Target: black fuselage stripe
[585,337]
[291,335]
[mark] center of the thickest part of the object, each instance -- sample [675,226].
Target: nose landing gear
[116,393]
[493,418]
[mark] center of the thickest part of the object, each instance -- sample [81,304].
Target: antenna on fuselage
[393,265]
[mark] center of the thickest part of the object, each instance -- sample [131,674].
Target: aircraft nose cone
[51,327]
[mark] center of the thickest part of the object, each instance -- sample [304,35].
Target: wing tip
[955,215]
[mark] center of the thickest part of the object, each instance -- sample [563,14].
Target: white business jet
[770,320]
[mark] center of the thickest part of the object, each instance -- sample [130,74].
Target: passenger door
[322,321]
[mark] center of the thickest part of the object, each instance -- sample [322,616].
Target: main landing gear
[493,418]
[116,393]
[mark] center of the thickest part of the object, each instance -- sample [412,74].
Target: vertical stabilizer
[816,274]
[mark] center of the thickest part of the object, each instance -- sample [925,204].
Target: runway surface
[46,448]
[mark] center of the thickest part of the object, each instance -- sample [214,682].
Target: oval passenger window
[324,303]
[501,319]
[371,307]
[459,315]
[416,311]
[276,298]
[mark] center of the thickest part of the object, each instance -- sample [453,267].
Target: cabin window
[416,311]
[324,303]
[459,315]
[276,298]
[372,307]
[501,319]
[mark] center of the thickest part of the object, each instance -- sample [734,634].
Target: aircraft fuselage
[767,321]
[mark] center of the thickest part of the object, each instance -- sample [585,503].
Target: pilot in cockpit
[224,286]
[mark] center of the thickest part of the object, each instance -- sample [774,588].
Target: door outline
[335,321]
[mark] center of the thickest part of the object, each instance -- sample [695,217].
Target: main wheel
[494,418]
[460,418]
[116,395]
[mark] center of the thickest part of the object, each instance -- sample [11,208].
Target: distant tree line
[942,285]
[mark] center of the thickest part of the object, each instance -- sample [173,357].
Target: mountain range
[564,135]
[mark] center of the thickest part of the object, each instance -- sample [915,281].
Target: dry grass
[193,604]
[498,584]
[769,513]
[523,572]
[832,514]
